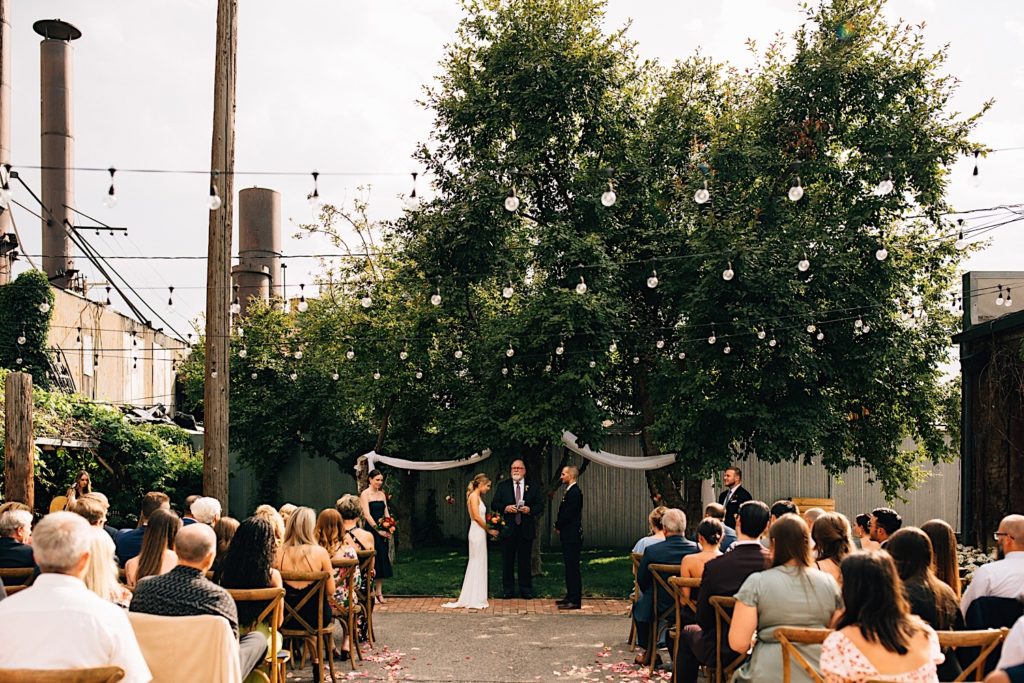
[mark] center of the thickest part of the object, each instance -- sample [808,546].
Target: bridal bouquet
[387,524]
[495,521]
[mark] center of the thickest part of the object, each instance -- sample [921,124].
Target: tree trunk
[19,443]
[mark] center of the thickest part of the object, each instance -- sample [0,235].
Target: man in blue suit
[670,551]
[129,541]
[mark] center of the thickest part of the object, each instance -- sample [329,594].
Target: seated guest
[330,535]
[90,507]
[877,638]
[248,565]
[206,510]
[709,535]
[791,593]
[884,523]
[929,598]
[301,553]
[275,519]
[862,532]
[225,528]
[102,498]
[157,556]
[716,511]
[59,623]
[1011,662]
[286,511]
[14,505]
[185,591]
[15,537]
[1003,578]
[187,518]
[811,516]
[832,542]
[778,509]
[723,576]
[101,571]
[129,541]
[657,534]
[670,551]
[947,567]
[351,511]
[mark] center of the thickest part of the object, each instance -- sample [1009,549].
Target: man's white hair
[673,521]
[205,510]
[59,541]
[12,520]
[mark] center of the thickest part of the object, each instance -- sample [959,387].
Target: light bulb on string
[512,201]
[613,347]
[78,337]
[560,349]
[435,298]
[458,354]
[313,197]
[253,375]
[728,274]
[858,323]
[170,297]
[298,354]
[293,376]
[660,344]
[975,176]
[504,371]
[5,188]
[761,334]
[820,335]
[882,253]
[608,197]
[403,354]
[242,353]
[350,354]
[22,339]
[303,304]
[804,264]
[796,192]
[44,307]
[335,376]
[1009,298]
[884,188]
[135,363]
[110,199]
[866,328]
[547,368]
[999,298]
[593,364]
[419,374]
[509,352]
[681,355]
[960,243]
[773,342]
[581,288]
[18,360]
[508,290]
[712,339]
[376,374]
[412,202]
[652,281]
[636,360]
[236,305]
[702,195]
[727,349]
[109,302]
[366,301]
[241,331]
[214,201]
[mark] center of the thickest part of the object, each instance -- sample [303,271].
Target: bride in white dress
[474,585]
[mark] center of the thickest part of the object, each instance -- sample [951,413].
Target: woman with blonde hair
[157,555]
[833,541]
[474,583]
[270,513]
[101,570]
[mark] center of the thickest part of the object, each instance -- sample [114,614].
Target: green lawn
[439,571]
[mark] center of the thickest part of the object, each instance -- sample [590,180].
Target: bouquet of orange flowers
[495,521]
[387,524]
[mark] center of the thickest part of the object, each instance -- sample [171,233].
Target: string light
[435,298]
[366,301]
[652,281]
[593,364]
[975,177]
[314,197]
[458,354]
[796,192]
[78,337]
[214,202]
[761,334]
[303,304]
[547,368]
[109,302]
[712,339]
[636,360]
[5,188]
[702,195]
[999,298]
[820,335]
[242,353]
[660,344]
[110,200]
[803,264]
[608,197]
[254,375]
[773,342]
[509,352]
[298,354]
[560,349]
[681,355]
[236,305]
[512,201]
[350,354]
[728,349]
[376,374]
[1009,298]
[170,297]
[581,288]
[44,307]
[613,347]
[882,253]
[412,202]
[885,187]
[403,354]
[293,375]
[812,328]
[18,360]
[728,274]
[508,290]
[419,374]
[22,339]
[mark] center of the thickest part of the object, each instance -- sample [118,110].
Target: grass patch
[439,571]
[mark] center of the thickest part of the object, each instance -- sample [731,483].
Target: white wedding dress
[474,585]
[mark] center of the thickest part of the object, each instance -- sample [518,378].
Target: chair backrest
[660,573]
[988,612]
[986,641]
[347,567]
[197,648]
[11,590]
[635,559]
[274,597]
[723,606]
[317,593]
[22,576]
[789,638]
[678,583]
[103,674]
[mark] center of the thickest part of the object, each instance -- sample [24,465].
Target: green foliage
[26,306]
[130,459]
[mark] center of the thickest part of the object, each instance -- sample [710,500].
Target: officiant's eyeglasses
[997,534]
[519,468]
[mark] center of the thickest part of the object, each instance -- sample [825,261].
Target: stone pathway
[591,606]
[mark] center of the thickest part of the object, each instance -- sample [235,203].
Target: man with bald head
[185,591]
[1003,578]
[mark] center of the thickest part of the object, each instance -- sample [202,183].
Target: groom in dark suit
[569,526]
[520,506]
[734,495]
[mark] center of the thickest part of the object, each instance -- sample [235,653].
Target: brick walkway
[591,606]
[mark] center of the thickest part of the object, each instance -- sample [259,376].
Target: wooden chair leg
[328,639]
[631,640]
[652,646]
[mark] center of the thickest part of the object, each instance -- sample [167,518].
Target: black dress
[381,561]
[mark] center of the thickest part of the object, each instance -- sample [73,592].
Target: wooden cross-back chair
[23,576]
[678,583]
[789,638]
[635,557]
[987,641]
[11,590]
[350,614]
[367,560]
[723,606]
[321,636]
[660,575]
[102,674]
[271,615]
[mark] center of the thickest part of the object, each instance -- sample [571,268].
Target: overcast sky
[332,86]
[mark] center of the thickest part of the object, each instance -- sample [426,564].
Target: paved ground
[591,606]
[496,645]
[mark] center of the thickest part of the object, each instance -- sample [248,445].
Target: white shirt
[1000,579]
[1013,647]
[58,623]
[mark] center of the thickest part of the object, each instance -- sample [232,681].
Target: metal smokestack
[258,273]
[8,241]
[57,191]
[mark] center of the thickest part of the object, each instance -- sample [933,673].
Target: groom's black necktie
[519,498]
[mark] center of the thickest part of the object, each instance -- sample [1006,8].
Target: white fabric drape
[372,458]
[621,461]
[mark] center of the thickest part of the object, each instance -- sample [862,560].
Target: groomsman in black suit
[569,526]
[520,505]
[734,495]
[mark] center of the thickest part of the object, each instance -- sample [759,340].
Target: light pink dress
[843,662]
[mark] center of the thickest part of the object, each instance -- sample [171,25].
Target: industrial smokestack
[8,241]
[57,133]
[258,273]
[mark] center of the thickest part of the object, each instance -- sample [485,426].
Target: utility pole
[8,241]
[218,261]
[19,444]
